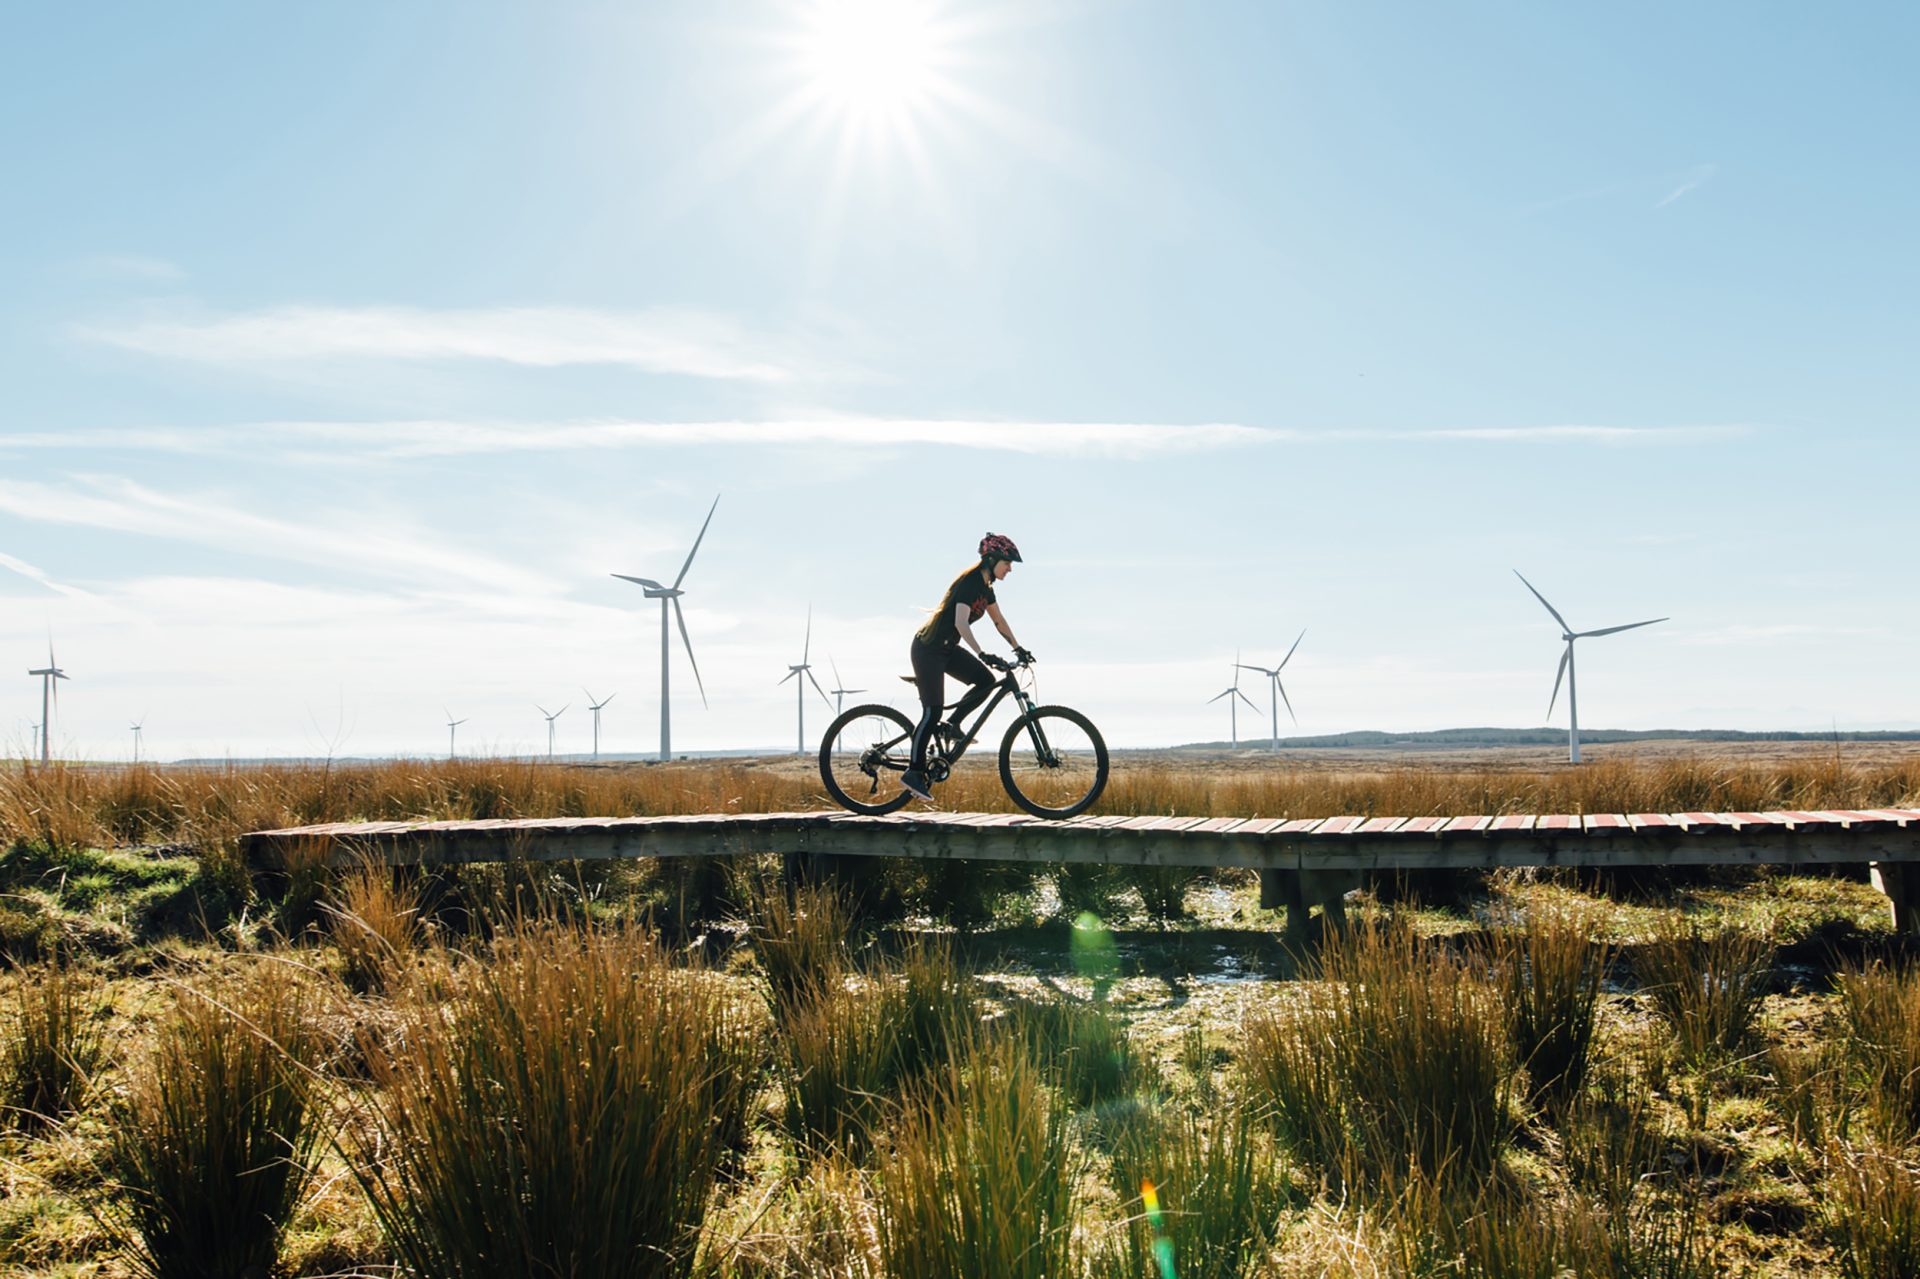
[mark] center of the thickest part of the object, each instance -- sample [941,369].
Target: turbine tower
[840,694]
[1568,634]
[800,686]
[595,708]
[1278,687]
[50,677]
[138,726]
[671,595]
[1234,697]
[452,724]
[550,718]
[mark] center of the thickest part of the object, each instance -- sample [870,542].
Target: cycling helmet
[998,546]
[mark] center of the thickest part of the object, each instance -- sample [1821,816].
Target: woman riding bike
[940,648]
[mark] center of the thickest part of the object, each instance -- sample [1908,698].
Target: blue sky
[348,349]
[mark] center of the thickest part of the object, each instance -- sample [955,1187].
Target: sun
[873,64]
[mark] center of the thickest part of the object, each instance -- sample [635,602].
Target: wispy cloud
[1121,440]
[1693,182]
[656,340]
[33,574]
[353,543]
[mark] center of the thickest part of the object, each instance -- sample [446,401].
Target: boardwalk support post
[1301,890]
[1900,881]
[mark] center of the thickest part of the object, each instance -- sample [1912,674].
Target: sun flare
[873,62]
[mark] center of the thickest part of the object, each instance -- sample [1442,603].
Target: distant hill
[1446,737]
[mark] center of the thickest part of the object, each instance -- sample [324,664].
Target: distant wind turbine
[550,718]
[840,694]
[50,677]
[1234,697]
[800,686]
[1568,634]
[452,724]
[1278,687]
[138,727]
[595,708]
[671,595]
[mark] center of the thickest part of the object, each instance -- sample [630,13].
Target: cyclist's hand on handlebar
[996,661]
[1022,656]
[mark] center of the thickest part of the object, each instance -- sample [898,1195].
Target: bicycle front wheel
[862,757]
[1053,762]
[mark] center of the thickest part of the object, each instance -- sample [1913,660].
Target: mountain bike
[1053,761]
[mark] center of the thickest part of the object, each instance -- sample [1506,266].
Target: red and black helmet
[998,546]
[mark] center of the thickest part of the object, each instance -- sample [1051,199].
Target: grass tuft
[1395,1059]
[1707,985]
[1549,972]
[212,1143]
[979,1177]
[52,1048]
[566,1111]
[376,925]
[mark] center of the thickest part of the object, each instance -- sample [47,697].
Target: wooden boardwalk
[1303,862]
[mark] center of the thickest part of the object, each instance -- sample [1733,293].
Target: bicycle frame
[936,753]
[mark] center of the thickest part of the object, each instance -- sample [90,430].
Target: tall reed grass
[213,1142]
[53,1044]
[1395,1058]
[376,924]
[1218,1186]
[1708,985]
[1873,1211]
[565,1112]
[979,1176]
[1549,971]
[1880,1016]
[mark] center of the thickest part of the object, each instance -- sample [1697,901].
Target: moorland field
[943,1070]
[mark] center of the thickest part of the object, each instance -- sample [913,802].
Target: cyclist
[940,648]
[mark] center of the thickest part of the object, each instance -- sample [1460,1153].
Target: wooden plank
[1339,825]
[1421,826]
[1605,821]
[1463,824]
[1654,821]
[1708,820]
[1300,825]
[1381,826]
[1558,821]
[1757,819]
[1255,826]
[1215,826]
[1513,822]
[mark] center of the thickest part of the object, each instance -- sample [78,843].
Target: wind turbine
[1568,634]
[671,595]
[595,708]
[800,686]
[550,718]
[50,676]
[840,694]
[138,727]
[452,724]
[1232,692]
[1278,687]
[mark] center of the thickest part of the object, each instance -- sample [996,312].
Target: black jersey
[970,588]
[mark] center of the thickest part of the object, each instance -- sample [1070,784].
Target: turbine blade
[1217,696]
[1289,705]
[818,689]
[835,667]
[1543,600]
[647,582]
[1289,657]
[543,710]
[589,693]
[807,647]
[1248,701]
[1263,670]
[562,711]
[791,672]
[696,551]
[610,697]
[680,617]
[1558,676]
[1629,626]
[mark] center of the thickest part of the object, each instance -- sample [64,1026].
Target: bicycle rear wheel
[862,756]
[1053,762]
